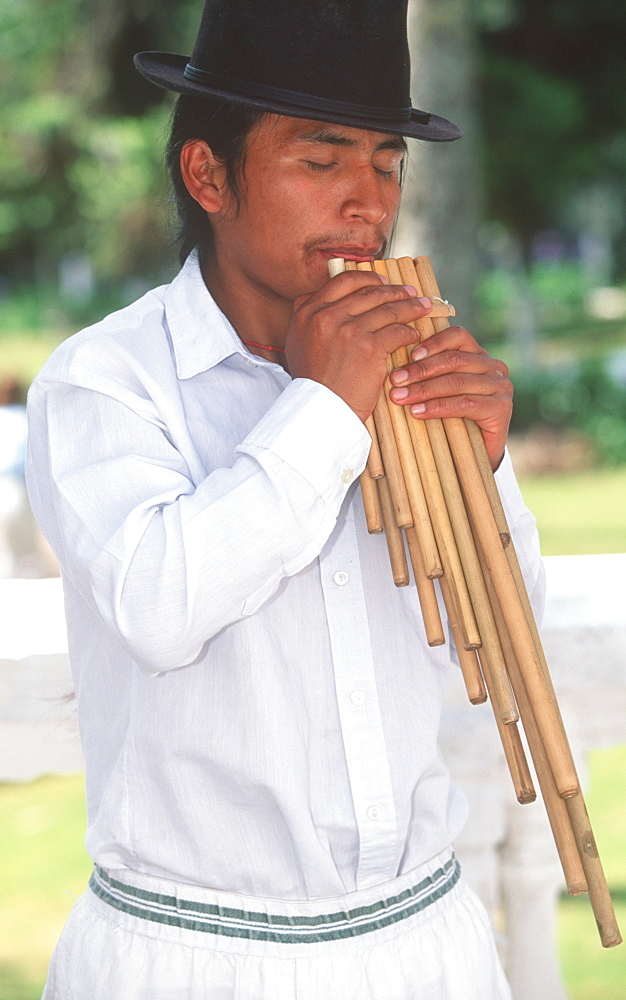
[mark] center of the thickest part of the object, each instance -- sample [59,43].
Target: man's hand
[452,376]
[342,334]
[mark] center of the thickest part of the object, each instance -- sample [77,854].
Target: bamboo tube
[415,491]
[426,593]
[468,659]
[412,480]
[519,638]
[439,517]
[395,541]
[433,478]
[393,469]
[491,657]
[386,440]
[598,889]
[371,503]
[375,465]
[511,744]
[491,490]
[535,675]
[586,867]
[479,508]
[555,806]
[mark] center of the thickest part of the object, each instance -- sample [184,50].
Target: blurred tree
[443,196]
[82,135]
[554,114]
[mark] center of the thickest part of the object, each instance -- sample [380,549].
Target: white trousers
[424,936]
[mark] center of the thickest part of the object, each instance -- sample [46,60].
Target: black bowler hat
[344,61]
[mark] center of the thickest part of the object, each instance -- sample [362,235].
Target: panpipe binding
[429,487]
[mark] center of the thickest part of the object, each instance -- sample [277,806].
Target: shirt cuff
[316,433]
[510,493]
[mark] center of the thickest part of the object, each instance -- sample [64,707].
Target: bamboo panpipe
[454,521]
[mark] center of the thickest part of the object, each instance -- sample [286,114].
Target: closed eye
[320,167]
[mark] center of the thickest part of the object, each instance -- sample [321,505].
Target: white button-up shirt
[258,705]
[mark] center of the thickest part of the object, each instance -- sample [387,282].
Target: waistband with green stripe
[213,919]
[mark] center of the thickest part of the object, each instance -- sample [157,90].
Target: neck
[259,317]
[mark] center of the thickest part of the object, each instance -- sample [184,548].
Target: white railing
[506,849]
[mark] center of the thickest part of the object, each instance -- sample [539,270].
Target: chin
[317,272]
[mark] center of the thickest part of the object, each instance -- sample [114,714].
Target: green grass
[43,868]
[591,972]
[579,513]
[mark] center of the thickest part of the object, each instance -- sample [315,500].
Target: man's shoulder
[122,334]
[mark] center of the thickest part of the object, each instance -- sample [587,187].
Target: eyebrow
[325,136]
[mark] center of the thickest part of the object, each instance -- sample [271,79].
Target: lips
[358,254]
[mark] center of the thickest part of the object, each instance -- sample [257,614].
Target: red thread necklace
[262,347]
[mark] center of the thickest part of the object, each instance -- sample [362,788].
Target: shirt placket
[358,704]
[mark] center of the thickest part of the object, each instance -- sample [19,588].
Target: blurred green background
[86,225]
[86,222]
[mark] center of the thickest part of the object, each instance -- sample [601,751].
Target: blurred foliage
[584,397]
[554,112]
[84,204]
[81,158]
[557,294]
[83,134]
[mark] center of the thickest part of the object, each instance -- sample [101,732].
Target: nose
[365,201]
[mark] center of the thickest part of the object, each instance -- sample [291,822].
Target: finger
[448,363]
[343,284]
[386,297]
[393,336]
[458,341]
[453,384]
[361,291]
[477,406]
[378,312]
[491,413]
[452,338]
[365,315]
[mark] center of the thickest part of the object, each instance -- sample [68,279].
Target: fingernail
[399,394]
[399,376]
[418,408]
[426,303]
[418,353]
[412,291]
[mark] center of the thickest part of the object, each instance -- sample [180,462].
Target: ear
[204,176]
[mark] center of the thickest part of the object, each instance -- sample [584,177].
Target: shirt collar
[201,334]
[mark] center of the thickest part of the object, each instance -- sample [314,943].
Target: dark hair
[225,127]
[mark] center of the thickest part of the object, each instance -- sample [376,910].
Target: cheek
[278,205]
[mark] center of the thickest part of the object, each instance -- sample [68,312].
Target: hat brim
[167,70]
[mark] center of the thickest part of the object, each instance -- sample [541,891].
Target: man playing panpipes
[269,814]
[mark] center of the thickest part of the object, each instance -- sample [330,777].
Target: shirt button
[341,578]
[374,812]
[347,475]
[358,697]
